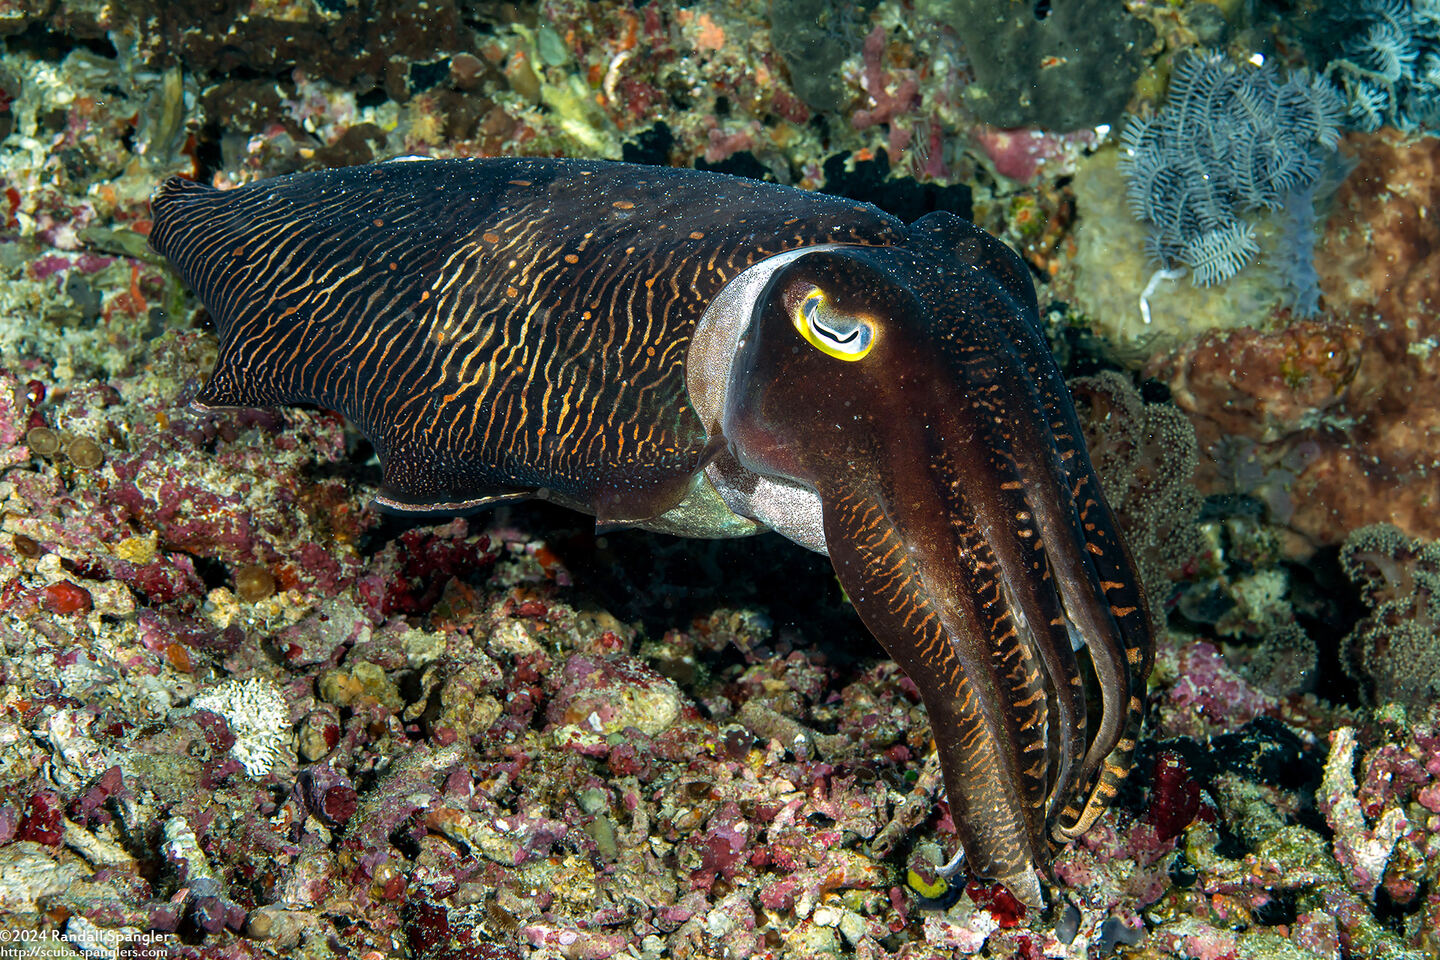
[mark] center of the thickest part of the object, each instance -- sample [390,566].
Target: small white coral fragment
[258,717]
[186,857]
[1362,850]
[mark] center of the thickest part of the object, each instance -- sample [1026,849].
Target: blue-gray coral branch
[1390,65]
[1232,139]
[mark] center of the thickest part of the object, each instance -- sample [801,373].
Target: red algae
[43,820]
[1001,904]
[1174,797]
[67,597]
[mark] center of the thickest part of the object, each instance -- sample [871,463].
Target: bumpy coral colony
[245,713]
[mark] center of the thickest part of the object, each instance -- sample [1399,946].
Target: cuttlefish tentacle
[956,562]
[943,632]
[1023,406]
[709,356]
[1120,660]
[1028,579]
[1104,602]
[1117,631]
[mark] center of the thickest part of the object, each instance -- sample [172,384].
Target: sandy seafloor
[243,714]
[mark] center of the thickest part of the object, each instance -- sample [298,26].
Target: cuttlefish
[711,356]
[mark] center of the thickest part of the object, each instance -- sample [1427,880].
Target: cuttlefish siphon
[711,356]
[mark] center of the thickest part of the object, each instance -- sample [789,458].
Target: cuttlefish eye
[844,336]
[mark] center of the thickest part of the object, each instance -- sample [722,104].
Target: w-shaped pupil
[833,334]
[811,307]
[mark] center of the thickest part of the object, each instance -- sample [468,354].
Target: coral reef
[1333,424]
[243,715]
[1107,272]
[816,37]
[1393,650]
[1145,454]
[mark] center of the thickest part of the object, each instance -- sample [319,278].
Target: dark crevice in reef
[41,42]
[1328,607]
[905,197]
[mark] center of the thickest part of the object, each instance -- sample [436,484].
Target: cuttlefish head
[910,389]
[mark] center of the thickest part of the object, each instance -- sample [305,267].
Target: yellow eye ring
[840,335]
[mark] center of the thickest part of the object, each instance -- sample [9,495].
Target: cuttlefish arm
[910,388]
[711,356]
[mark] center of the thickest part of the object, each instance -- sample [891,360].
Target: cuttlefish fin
[628,496]
[400,504]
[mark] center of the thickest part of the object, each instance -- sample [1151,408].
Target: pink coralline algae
[890,95]
[1207,694]
[410,576]
[145,485]
[1387,831]
[1363,847]
[1022,154]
